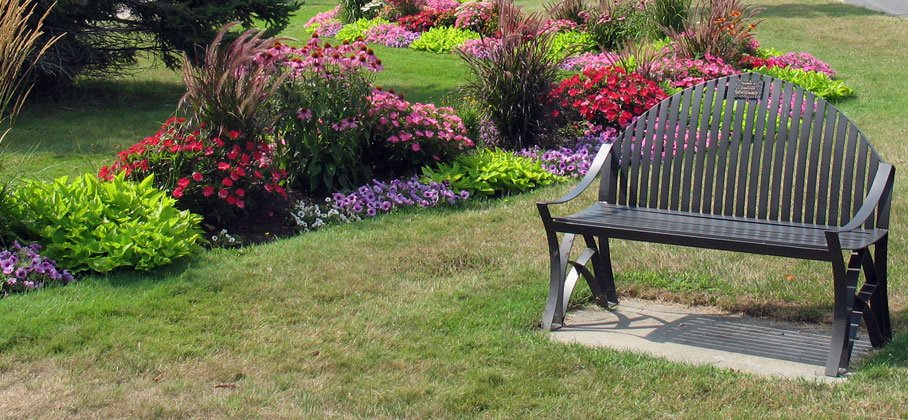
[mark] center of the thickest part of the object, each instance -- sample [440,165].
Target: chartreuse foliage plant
[357,29]
[490,172]
[817,82]
[91,225]
[443,39]
[565,44]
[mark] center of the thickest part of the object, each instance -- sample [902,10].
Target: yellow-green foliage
[492,172]
[91,225]
[443,39]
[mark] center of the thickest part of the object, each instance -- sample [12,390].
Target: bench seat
[712,231]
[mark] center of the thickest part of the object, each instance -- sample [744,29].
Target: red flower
[178,193]
[240,192]
[233,134]
[208,191]
[197,176]
[223,166]
[223,193]
[227,182]
[241,204]
[183,183]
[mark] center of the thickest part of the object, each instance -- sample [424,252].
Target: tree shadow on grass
[132,279]
[795,10]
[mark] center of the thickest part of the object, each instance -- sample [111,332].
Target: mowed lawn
[431,313]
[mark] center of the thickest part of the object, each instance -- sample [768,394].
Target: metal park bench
[744,163]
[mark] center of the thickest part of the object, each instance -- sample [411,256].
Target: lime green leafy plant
[90,225]
[565,44]
[443,39]
[353,31]
[819,83]
[491,172]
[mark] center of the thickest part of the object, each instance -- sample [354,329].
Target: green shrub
[443,39]
[491,172]
[320,157]
[617,23]
[566,44]
[90,225]
[818,83]
[353,31]
[353,10]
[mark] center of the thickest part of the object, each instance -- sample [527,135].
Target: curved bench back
[747,145]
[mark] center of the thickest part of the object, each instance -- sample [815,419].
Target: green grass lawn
[423,314]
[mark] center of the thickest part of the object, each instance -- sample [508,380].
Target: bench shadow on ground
[800,343]
[793,10]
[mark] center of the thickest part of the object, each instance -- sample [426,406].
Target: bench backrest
[747,145]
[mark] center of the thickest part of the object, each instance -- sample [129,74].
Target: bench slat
[791,146]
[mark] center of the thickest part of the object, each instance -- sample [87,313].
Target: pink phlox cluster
[382,197]
[803,61]
[325,23]
[684,72]
[590,60]
[325,59]
[441,5]
[558,25]
[413,123]
[475,15]
[479,48]
[391,35]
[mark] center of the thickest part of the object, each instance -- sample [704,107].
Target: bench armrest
[880,192]
[588,179]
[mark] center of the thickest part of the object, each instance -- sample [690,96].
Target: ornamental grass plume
[721,28]
[512,81]
[19,53]
[231,88]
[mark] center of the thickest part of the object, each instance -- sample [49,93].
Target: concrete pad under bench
[706,336]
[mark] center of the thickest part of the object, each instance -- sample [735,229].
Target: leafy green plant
[357,29]
[512,82]
[490,172]
[353,10]
[618,22]
[91,225]
[566,44]
[324,135]
[819,83]
[443,39]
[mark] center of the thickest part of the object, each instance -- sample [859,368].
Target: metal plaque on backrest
[749,90]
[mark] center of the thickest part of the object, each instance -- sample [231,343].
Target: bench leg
[844,323]
[553,316]
[872,300]
[604,291]
[879,301]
